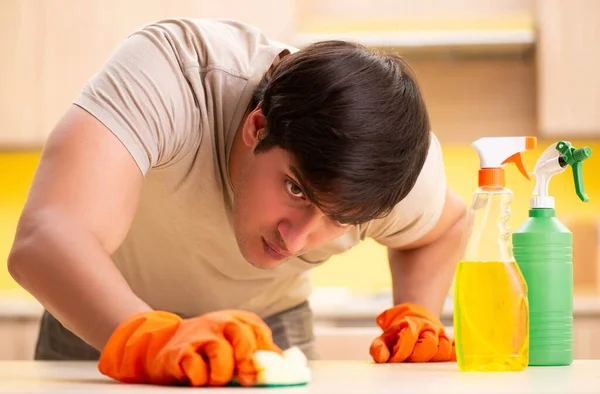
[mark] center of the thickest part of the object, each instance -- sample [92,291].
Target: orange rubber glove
[162,348]
[412,334]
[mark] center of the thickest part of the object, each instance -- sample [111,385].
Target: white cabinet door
[18,337]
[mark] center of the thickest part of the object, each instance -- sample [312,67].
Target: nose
[297,230]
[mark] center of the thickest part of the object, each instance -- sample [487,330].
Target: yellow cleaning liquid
[491,317]
[491,308]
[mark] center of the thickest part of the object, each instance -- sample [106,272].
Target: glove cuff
[129,343]
[393,314]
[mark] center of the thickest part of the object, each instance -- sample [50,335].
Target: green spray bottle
[543,249]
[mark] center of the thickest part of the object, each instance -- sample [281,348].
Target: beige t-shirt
[174,93]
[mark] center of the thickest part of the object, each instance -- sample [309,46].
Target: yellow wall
[364,267]
[16,174]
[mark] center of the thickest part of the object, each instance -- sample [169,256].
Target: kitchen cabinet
[557,39]
[51,47]
[567,68]
[534,69]
[342,333]
[345,329]
[473,59]
[18,337]
[20,76]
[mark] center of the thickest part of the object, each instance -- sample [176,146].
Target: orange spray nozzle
[518,160]
[495,152]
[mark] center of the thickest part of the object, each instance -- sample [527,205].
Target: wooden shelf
[475,37]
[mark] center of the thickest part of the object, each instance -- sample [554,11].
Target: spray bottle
[543,248]
[491,315]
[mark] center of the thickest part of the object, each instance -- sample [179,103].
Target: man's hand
[421,276]
[161,348]
[423,271]
[411,333]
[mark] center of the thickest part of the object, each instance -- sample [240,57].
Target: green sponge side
[236,383]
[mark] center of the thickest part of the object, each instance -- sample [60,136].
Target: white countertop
[329,377]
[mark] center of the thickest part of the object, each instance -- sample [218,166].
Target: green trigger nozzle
[574,158]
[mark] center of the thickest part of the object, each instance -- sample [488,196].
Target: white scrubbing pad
[289,369]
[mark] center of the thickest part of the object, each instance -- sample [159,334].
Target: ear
[254,127]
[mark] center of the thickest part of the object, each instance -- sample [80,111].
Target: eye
[293,189]
[341,225]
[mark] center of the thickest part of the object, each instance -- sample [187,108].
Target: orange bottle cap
[491,177]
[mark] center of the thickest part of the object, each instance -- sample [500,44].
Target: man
[182,199]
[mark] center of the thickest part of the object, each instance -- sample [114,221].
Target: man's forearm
[424,275]
[69,272]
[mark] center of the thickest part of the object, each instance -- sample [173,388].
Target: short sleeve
[141,94]
[419,211]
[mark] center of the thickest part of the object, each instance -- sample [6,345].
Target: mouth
[274,251]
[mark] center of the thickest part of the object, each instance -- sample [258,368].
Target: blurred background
[487,68]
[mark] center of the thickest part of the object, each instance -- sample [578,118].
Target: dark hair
[355,124]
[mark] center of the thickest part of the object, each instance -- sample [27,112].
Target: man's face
[273,218]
